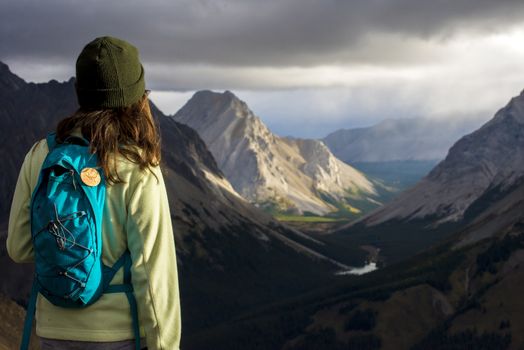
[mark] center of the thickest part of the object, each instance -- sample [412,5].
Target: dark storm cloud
[244,33]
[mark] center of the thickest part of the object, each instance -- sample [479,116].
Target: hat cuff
[111,98]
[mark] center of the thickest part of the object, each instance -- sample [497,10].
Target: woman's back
[136,218]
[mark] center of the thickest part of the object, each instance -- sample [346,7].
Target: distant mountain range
[415,139]
[291,175]
[399,152]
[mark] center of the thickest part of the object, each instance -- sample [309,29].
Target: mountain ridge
[398,139]
[473,167]
[293,174]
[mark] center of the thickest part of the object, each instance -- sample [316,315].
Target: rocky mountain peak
[8,80]
[222,118]
[209,104]
[264,167]
[493,152]
[483,164]
[513,110]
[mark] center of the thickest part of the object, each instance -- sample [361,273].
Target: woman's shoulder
[40,146]
[135,175]
[37,152]
[33,161]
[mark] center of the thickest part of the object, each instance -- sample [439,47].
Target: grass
[354,205]
[301,218]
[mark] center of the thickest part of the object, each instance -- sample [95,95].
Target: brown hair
[112,131]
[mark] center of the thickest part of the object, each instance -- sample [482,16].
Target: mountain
[289,174]
[24,112]
[480,168]
[415,139]
[398,152]
[230,253]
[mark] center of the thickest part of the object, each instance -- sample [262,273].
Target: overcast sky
[306,67]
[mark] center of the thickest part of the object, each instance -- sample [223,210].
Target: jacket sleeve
[19,244]
[154,270]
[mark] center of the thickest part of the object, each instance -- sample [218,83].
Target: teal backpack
[66,230]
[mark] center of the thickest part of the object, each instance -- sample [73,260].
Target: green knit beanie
[109,74]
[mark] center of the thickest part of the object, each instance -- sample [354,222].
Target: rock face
[293,174]
[398,139]
[479,168]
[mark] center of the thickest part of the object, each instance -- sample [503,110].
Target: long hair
[116,131]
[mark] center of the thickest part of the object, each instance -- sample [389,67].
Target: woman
[114,116]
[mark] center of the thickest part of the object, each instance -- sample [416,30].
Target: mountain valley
[449,249]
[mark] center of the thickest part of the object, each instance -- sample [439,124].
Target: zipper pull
[73,177]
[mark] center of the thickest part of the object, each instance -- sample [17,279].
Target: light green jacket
[136,215]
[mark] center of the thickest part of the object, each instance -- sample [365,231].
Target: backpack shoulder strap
[30,314]
[51,141]
[125,262]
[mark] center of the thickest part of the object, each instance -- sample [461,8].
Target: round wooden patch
[90,176]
